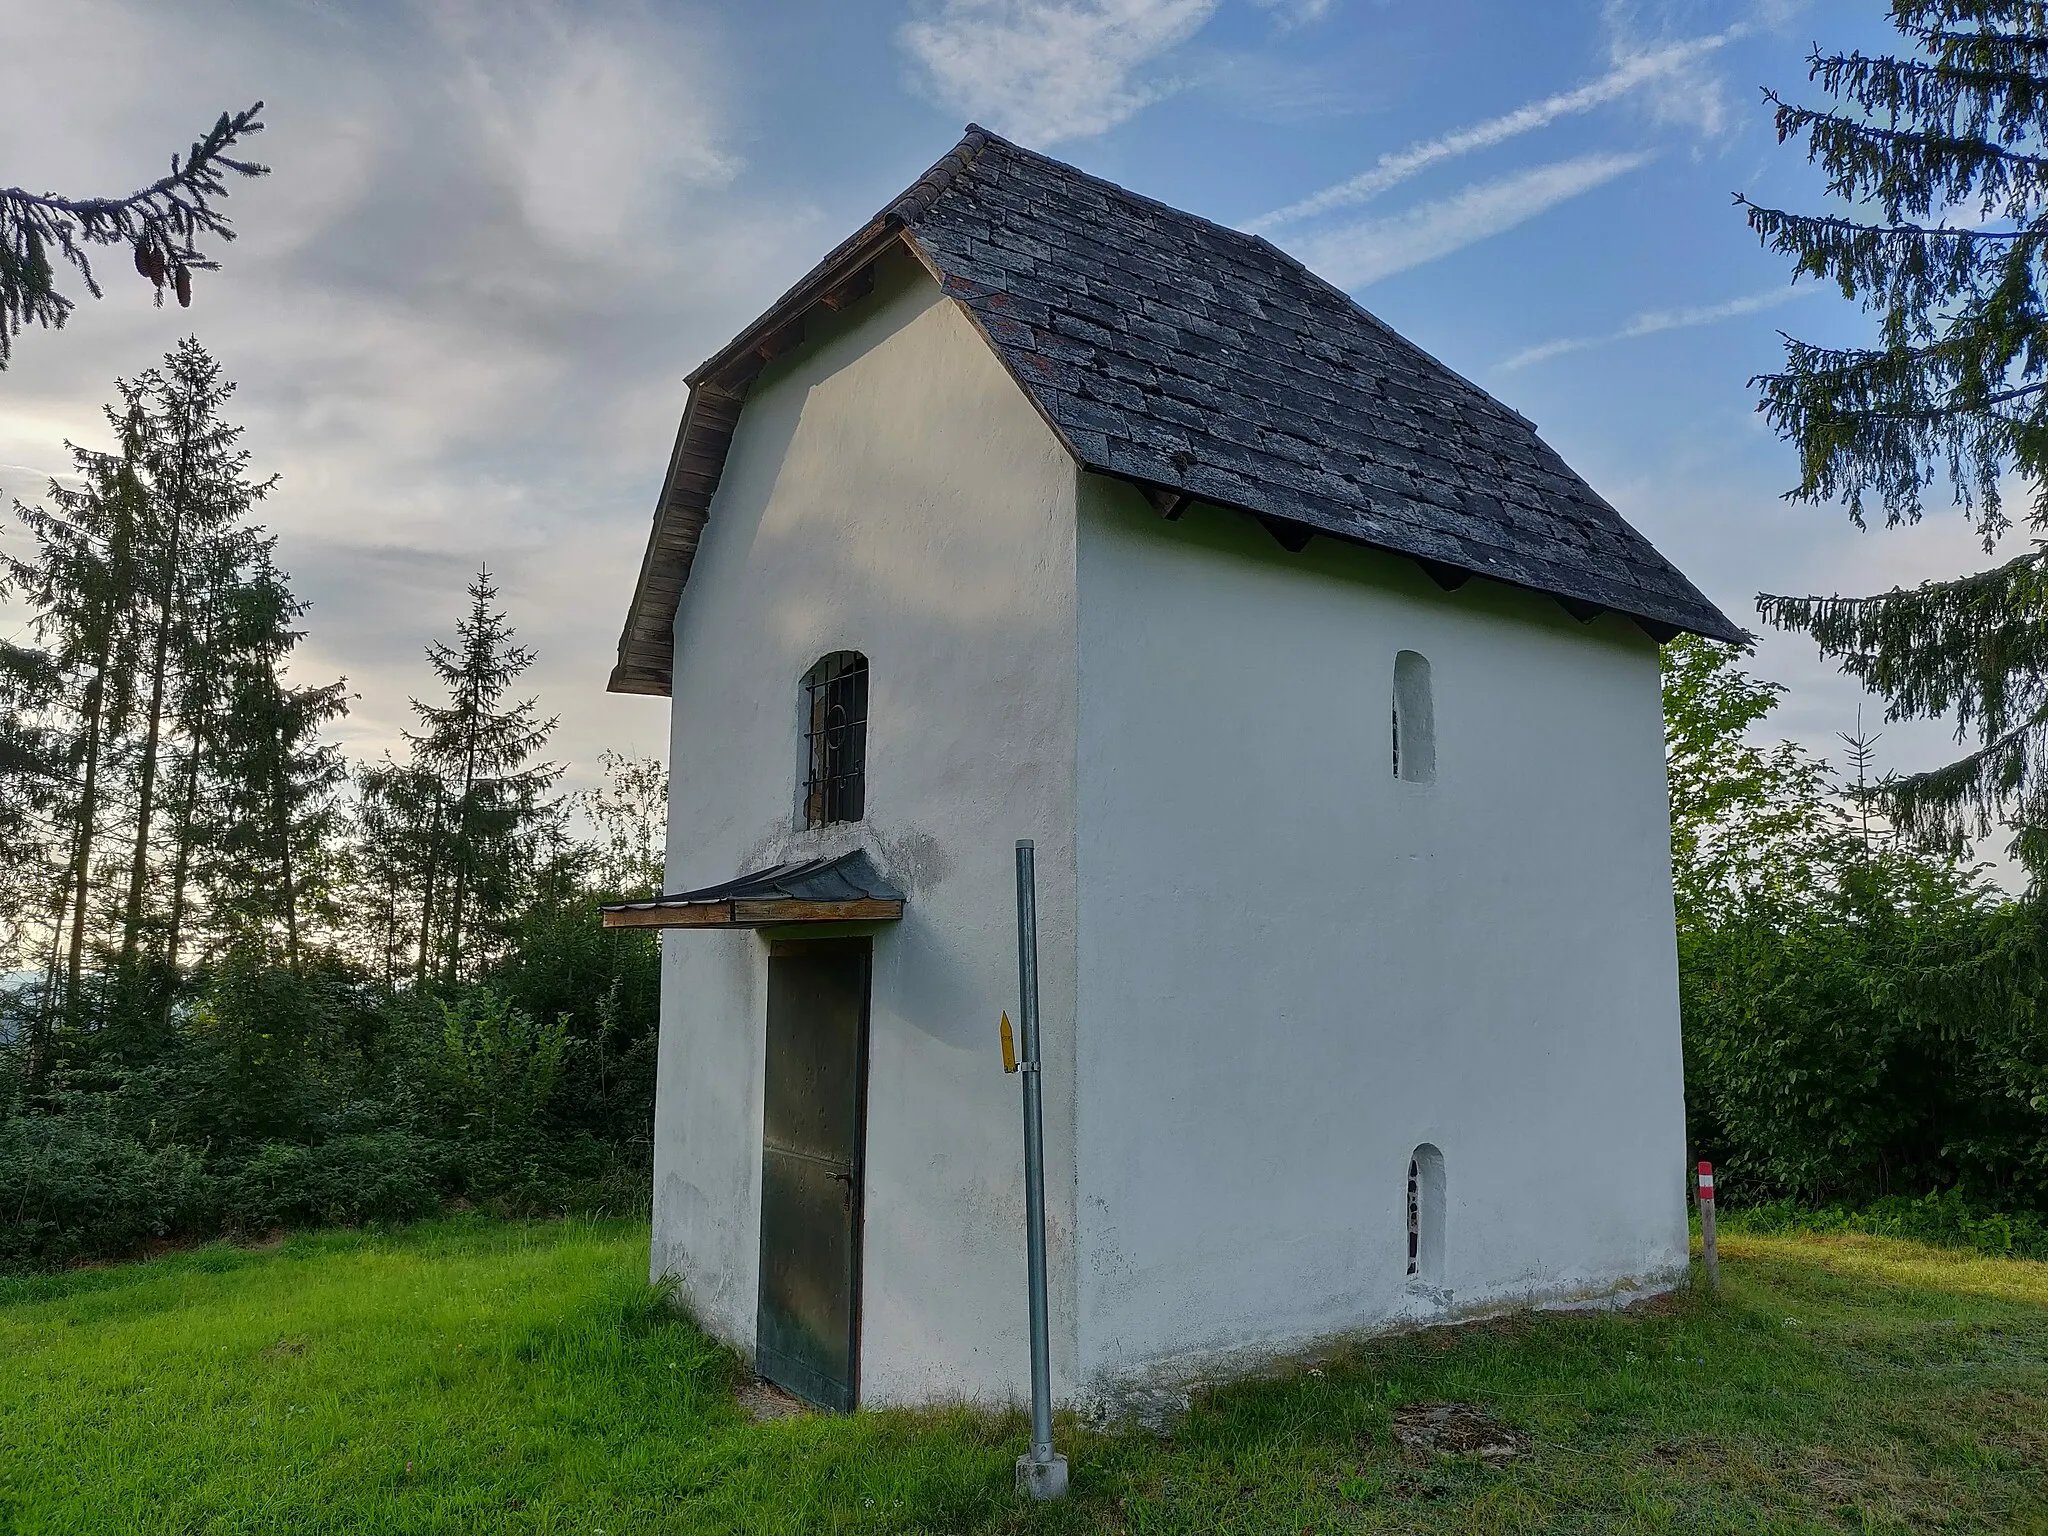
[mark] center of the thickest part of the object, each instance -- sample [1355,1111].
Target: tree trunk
[281,812]
[81,861]
[167,605]
[462,850]
[427,893]
[391,928]
[187,805]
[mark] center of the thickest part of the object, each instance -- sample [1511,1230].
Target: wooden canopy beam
[753,914]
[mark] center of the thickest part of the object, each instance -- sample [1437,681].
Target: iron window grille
[1414,1215]
[836,739]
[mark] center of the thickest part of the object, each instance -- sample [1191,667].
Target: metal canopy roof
[846,889]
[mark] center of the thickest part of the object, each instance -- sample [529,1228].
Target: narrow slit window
[1426,1215]
[836,739]
[1414,719]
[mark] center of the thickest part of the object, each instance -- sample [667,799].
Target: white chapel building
[1330,698]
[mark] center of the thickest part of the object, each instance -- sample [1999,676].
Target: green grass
[475,1377]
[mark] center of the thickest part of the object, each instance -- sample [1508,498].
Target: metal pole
[1043,1472]
[1707,1249]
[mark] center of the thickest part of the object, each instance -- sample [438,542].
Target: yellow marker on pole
[1009,1047]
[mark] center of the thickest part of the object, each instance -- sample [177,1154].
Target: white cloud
[1358,254]
[1047,70]
[1298,13]
[1656,320]
[594,122]
[1630,72]
[1689,95]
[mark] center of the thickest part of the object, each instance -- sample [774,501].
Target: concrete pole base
[1042,1479]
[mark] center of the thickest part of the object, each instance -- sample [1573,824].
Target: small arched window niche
[1426,1216]
[835,739]
[1414,719]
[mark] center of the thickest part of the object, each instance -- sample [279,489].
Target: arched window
[835,739]
[1414,719]
[1426,1215]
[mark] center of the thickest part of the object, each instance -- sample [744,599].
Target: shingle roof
[1199,362]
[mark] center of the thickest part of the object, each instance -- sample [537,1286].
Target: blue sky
[498,234]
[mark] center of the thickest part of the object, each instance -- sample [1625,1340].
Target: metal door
[814,1101]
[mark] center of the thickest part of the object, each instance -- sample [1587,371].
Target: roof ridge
[1118,188]
[926,190]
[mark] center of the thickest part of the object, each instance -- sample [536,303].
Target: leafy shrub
[494,1067]
[1863,1018]
[74,1186]
[1946,1218]
[370,1176]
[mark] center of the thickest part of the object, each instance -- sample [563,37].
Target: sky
[498,233]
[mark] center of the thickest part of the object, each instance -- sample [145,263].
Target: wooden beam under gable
[854,289]
[744,369]
[1169,502]
[1292,537]
[1449,577]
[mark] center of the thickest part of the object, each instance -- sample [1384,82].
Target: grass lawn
[474,1377]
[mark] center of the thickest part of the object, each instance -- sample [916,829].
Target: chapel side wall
[891,491]
[1295,968]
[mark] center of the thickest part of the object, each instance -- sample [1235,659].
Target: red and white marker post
[1713,1259]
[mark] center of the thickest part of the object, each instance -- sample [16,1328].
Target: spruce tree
[490,816]
[193,798]
[31,785]
[1940,158]
[274,811]
[196,536]
[386,856]
[79,587]
[158,225]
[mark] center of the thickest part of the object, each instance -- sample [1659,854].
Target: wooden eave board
[753,914]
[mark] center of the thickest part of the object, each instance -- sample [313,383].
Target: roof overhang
[846,889]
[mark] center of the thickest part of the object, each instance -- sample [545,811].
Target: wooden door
[814,1101]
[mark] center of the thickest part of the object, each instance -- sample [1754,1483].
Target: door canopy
[846,889]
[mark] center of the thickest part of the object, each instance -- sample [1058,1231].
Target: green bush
[75,1186]
[1946,1218]
[492,1067]
[369,1176]
[1863,1019]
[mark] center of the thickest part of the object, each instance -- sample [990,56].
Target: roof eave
[1171,498]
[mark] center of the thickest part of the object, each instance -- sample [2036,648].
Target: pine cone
[182,281]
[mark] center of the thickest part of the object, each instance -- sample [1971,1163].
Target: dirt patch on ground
[764,1402]
[1457,1429]
[1663,1304]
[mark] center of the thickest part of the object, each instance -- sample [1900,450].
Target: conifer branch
[159,224]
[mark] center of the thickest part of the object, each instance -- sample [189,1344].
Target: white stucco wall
[889,491]
[1295,968]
